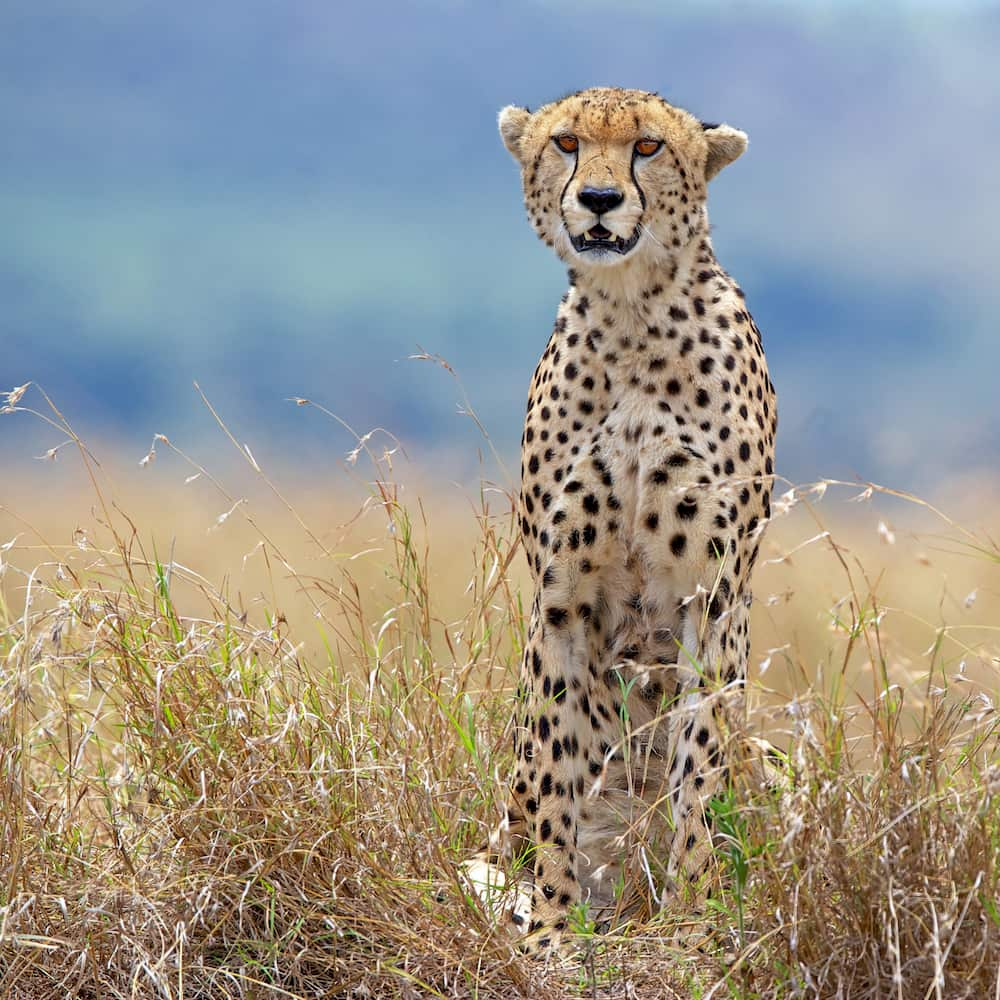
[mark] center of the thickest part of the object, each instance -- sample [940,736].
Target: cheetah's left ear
[725,144]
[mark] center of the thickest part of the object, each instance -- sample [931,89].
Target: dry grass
[242,757]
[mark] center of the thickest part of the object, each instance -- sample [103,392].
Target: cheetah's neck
[650,293]
[648,285]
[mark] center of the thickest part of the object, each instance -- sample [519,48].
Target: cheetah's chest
[661,483]
[656,467]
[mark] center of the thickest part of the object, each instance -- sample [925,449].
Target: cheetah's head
[611,176]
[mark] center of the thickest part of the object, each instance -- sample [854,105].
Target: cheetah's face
[611,176]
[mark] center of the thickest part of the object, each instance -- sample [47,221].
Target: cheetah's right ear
[512,122]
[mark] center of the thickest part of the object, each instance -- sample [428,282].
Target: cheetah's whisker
[649,232]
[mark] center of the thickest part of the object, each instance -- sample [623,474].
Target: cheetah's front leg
[551,763]
[712,668]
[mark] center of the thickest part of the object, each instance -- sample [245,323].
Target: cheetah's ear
[512,122]
[725,144]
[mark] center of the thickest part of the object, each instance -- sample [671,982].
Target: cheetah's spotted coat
[646,481]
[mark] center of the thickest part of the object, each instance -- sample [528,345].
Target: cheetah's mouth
[599,238]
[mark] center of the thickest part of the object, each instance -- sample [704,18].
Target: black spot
[652,521]
[677,544]
[687,509]
[556,616]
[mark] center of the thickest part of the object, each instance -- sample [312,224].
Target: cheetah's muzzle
[599,238]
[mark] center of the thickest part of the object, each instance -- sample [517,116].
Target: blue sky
[285,199]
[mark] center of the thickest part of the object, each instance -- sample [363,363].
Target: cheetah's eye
[567,143]
[646,147]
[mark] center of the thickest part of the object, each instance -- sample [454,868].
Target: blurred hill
[286,200]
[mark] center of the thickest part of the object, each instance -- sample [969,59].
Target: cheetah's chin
[610,243]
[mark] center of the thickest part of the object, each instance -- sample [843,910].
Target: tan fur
[646,478]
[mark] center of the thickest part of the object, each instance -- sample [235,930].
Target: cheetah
[647,470]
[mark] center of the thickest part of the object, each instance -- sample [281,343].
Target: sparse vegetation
[205,792]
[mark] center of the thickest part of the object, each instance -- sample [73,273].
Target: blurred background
[290,199]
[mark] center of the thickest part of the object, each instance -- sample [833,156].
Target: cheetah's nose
[600,200]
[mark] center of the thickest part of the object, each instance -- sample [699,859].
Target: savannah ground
[254,718]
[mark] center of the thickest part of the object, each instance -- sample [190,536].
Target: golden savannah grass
[251,730]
